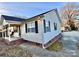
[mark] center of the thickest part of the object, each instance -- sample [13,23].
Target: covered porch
[11,32]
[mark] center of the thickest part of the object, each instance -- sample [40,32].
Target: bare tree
[69,10]
[68,13]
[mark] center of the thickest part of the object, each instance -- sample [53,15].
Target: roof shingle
[12,18]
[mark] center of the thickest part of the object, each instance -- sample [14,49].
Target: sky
[28,9]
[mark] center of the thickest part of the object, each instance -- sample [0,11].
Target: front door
[15,31]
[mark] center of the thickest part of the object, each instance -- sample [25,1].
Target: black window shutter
[44,26]
[36,26]
[19,31]
[49,26]
[54,26]
[26,28]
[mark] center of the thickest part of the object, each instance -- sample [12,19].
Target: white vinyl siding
[32,36]
[55,29]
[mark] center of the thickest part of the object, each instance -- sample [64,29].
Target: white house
[40,29]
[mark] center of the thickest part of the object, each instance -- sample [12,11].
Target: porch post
[2,33]
[5,32]
[18,30]
[9,32]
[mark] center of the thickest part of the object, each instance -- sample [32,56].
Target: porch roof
[12,18]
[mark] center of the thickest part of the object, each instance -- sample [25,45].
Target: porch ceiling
[15,24]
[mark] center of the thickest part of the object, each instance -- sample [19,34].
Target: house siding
[34,37]
[42,37]
[52,17]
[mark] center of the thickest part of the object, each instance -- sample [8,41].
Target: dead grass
[57,46]
[14,51]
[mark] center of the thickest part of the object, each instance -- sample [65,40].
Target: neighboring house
[41,29]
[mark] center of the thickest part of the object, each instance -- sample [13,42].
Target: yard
[12,49]
[56,46]
[70,44]
[68,48]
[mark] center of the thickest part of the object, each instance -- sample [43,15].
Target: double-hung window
[31,27]
[55,26]
[46,26]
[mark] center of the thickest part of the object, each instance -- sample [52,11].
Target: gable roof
[45,13]
[22,19]
[12,18]
[42,14]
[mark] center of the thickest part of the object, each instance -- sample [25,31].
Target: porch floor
[11,38]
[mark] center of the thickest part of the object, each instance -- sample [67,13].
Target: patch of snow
[73,52]
[74,40]
[65,38]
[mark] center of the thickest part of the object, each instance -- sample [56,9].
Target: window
[55,26]
[32,27]
[46,26]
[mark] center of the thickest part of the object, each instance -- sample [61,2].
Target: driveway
[69,40]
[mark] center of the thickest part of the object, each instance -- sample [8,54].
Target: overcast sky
[28,9]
